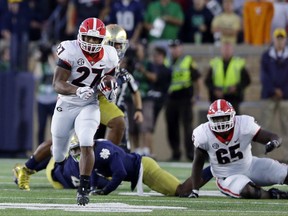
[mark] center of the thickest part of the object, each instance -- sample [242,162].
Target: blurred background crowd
[214,37]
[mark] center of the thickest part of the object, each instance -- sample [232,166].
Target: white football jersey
[85,70]
[229,158]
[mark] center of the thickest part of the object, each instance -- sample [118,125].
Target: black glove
[96,192]
[123,76]
[194,194]
[271,145]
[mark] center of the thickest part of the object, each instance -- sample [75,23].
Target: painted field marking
[153,193]
[93,207]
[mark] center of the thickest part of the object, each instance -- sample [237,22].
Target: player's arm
[118,175]
[269,139]
[198,163]
[137,100]
[184,190]
[60,84]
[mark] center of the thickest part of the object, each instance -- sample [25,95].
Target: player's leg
[172,122]
[116,129]
[186,118]
[86,124]
[268,172]
[38,161]
[232,185]
[240,186]
[158,179]
[125,142]
[146,129]
[113,118]
[61,128]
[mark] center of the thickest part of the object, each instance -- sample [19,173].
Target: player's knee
[251,191]
[117,122]
[58,157]
[85,141]
[85,135]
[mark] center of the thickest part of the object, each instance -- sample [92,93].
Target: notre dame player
[112,115]
[112,166]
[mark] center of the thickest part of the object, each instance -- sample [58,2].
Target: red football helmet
[221,116]
[91,27]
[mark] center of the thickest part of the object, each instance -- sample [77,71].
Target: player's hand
[84,92]
[194,194]
[123,76]
[109,93]
[271,145]
[96,192]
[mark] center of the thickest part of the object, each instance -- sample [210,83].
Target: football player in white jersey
[226,139]
[81,65]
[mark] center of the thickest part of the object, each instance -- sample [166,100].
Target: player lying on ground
[110,161]
[227,138]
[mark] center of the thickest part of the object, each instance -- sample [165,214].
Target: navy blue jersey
[113,161]
[110,161]
[127,16]
[67,173]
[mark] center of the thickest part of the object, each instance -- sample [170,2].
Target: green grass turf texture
[42,193]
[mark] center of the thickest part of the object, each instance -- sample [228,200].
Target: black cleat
[277,194]
[82,196]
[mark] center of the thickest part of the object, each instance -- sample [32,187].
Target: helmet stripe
[218,105]
[94,23]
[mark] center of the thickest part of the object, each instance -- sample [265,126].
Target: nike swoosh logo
[101,65]
[110,96]
[83,91]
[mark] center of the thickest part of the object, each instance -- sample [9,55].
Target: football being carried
[108,87]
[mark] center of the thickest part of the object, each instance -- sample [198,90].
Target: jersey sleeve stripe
[64,64]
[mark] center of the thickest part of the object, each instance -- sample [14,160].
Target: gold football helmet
[116,36]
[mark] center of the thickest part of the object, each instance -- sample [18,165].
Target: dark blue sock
[31,163]
[42,164]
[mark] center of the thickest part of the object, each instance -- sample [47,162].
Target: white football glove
[84,92]
[109,93]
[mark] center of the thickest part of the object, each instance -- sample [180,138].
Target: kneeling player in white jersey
[81,65]
[226,139]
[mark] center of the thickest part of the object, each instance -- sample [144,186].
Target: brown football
[107,80]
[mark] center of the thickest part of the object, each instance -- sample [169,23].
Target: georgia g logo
[59,109]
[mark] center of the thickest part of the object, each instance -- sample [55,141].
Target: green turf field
[43,200]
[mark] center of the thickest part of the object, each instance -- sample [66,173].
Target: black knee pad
[251,191]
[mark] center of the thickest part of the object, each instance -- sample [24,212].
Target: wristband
[138,110]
